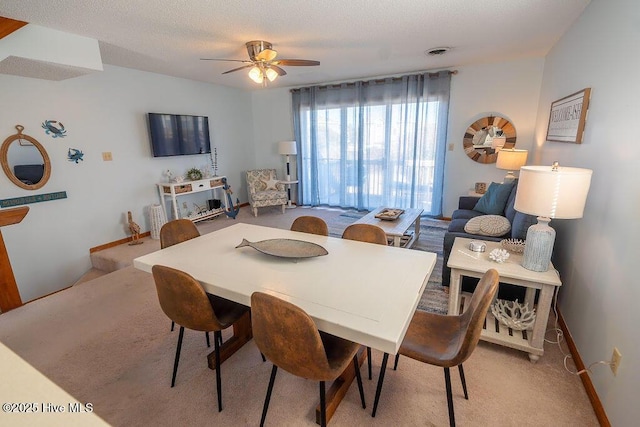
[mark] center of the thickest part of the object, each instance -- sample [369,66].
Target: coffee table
[396,230]
[464,262]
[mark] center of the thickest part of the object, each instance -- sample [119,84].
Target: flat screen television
[178,134]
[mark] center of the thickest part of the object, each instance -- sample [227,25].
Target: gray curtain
[373,143]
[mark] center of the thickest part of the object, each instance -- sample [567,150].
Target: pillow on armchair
[271,184]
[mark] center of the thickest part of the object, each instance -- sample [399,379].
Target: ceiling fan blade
[278,70]
[295,62]
[239,68]
[267,55]
[229,60]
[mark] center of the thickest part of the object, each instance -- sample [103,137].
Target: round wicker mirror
[486,136]
[25,161]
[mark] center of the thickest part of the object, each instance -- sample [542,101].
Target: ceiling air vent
[437,51]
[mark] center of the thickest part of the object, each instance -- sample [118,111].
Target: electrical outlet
[615,360]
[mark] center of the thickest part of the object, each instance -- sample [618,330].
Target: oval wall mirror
[486,136]
[25,161]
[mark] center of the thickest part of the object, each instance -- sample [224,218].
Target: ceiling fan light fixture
[271,74]
[256,75]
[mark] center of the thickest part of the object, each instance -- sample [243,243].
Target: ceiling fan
[263,63]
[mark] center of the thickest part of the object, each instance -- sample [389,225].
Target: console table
[173,190]
[464,262]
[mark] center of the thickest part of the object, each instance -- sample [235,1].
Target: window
[369,144]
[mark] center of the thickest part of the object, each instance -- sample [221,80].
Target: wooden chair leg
[323,406]
[464,383]
[177,359]
[447,383]
[369,360]
[217,335]
[359,378]
[265,407]
[380,380]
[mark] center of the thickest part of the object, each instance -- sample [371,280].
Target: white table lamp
[511,160]
[549,192]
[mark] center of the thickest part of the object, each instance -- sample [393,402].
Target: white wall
[510,89]
[106,111]
[506,89]
[596,255]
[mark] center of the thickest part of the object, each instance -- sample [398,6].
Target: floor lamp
[549,192]
[288,148]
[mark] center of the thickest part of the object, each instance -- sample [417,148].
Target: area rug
[434,299]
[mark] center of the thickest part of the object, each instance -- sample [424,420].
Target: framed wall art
[568,116]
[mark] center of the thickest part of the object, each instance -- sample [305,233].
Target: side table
[288,184]
[464,262]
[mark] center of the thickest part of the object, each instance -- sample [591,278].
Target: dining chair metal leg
[447,381]
[383,368]
[395,363]
[208,342]
[173,324]
[369,360]
[177,359]
[323,406]
[216,345]
[464,383]
[359,378]
[265,407]
[264,359]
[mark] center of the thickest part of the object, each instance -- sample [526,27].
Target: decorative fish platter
[286,248]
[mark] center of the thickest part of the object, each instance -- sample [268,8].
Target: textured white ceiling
[352,39]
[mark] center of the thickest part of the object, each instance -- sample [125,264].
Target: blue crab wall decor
[54,128]
[74,155]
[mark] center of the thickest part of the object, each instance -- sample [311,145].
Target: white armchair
[264,190]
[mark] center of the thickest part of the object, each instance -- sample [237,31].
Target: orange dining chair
[370,234]
[310,224]
[289,338]
[446,341]
[365,233]
[185,302]
[178,231]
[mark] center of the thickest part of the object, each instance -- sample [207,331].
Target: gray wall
[595,254]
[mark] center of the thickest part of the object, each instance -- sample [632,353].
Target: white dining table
[359,291]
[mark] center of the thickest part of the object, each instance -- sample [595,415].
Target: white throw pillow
[271,184]
[488,225]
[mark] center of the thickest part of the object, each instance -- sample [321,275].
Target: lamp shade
[256,75]
[553,191]
[287,147]
[511,160]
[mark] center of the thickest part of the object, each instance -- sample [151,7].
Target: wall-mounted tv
[178,134]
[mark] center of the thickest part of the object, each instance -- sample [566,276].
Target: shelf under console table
[173,190]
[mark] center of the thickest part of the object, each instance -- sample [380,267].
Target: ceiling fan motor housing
[256,46]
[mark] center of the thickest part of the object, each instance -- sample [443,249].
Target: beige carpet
[106,341]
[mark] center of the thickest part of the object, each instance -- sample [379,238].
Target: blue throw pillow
[495,199]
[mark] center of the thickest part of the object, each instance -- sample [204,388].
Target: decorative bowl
[513,245]
[513,314]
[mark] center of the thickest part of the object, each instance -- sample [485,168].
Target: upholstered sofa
[468,209]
